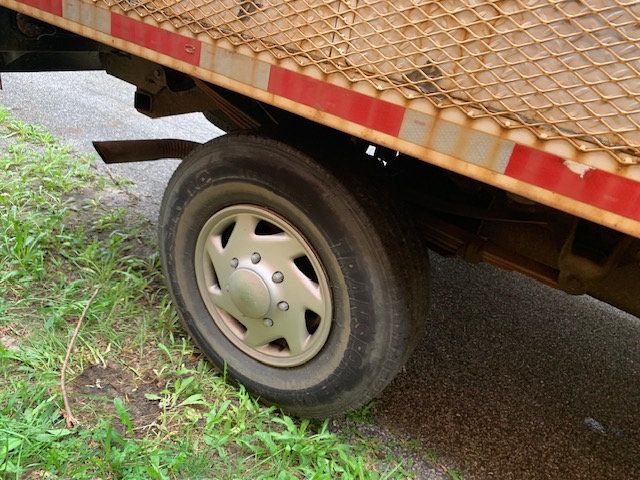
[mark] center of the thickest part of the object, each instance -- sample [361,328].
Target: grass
[149,405]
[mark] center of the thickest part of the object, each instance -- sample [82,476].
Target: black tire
[378,274]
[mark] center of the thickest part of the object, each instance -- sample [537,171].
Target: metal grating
[562,69]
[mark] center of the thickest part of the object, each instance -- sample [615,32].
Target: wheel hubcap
[249,293]
[263,285]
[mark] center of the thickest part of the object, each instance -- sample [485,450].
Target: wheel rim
[263,285]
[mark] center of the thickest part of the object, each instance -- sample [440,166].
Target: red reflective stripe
[51,6]
[162,41]
[353,106]
[595,187]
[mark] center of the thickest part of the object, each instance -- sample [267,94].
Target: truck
[361,135]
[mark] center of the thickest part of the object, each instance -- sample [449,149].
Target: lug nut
[284,306]
[234,263]
[277,277]
[268,322]
[255,258]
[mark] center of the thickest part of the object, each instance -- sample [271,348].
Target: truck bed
[563,70]
[538,97]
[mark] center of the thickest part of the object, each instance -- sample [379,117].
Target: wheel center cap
[249,293]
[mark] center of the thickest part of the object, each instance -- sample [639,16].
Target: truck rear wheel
[308,290]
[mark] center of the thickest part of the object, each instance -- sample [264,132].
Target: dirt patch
[94,390]
[9,342]
[10,336]
[87,206]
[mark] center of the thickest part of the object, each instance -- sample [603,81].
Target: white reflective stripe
[455,140]
[416,127]
[235,66]
[87,14]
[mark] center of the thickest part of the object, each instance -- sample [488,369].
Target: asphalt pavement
[514,380]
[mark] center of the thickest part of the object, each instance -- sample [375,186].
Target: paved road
[513,381]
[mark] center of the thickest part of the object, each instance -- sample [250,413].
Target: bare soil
[97,386]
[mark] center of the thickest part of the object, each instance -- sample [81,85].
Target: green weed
[363,414]
[454,474]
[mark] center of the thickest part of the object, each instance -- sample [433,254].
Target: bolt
[234,263]
[284,306]
[255,257]
[277,277]
[268,322]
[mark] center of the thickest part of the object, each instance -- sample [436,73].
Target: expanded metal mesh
[563,69]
